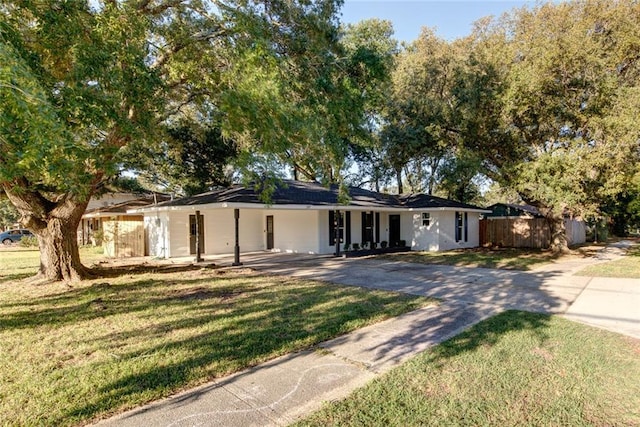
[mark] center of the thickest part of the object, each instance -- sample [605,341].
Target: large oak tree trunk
[59,255]
[55,224]
[559,242]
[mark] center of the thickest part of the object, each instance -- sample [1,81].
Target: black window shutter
[377,226]
[364,227]
[466,227]
[332,228]
[347,225]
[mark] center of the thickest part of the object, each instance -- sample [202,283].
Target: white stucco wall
[294,231]
[220,237]
[406,227]
[219,226]
[474,230]
[447,231]
[157,234]
[425,238]
[384,227]
[178,234]
[298,231]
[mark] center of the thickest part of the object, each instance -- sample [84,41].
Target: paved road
[282,390]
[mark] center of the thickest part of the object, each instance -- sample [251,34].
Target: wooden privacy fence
[515,232]
[123,236]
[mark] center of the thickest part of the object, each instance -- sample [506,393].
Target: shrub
[97,238]
[29,242]
[356,246]
[383,244]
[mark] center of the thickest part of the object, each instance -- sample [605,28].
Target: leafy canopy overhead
[84,85]
[550,95]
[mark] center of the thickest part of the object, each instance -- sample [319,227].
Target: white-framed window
[426,219]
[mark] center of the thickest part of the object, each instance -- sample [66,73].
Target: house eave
[231,205]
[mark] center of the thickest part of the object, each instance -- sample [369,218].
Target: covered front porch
[212,230]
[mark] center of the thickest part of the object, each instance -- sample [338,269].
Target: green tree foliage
[371,50]
[190,159]
[318,108]
[418,132]
[547,101]
[624,209]
[8,214]
[459,178]
[82,82]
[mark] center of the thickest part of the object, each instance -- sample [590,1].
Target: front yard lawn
[506,258]
[70,354]
[514,369]
[626,267]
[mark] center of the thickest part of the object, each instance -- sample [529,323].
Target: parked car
[12,236]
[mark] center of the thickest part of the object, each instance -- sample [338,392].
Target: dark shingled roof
[314,194]
[123,207]
[417,201]
[510,209]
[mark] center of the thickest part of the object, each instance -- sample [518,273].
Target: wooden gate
[123,236]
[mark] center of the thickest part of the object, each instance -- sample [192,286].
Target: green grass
[18,263]
[70,354]
[507,258]
[514,369]
[626,267]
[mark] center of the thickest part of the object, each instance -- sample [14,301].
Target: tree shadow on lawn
[488,332]
[501,258]
[15,277]
[261,327]
[252,343]
[101,271]
[103,299]
[222,327]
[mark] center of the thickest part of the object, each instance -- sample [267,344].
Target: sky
[451,19]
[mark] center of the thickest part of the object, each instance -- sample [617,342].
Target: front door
[196,231]
[394,230]
[269,232]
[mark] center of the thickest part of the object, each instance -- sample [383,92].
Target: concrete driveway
[606,302]
[278,392]
[548,292]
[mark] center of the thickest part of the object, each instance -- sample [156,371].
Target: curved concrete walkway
[280,391]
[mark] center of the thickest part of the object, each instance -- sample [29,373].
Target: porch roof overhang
[110,214]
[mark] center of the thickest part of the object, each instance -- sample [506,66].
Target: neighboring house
[301,218]
[90,224]
[509,210]
[523,226]
[120,233]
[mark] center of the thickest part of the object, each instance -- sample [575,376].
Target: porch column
[198,249]
[336,232]
[236,249]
